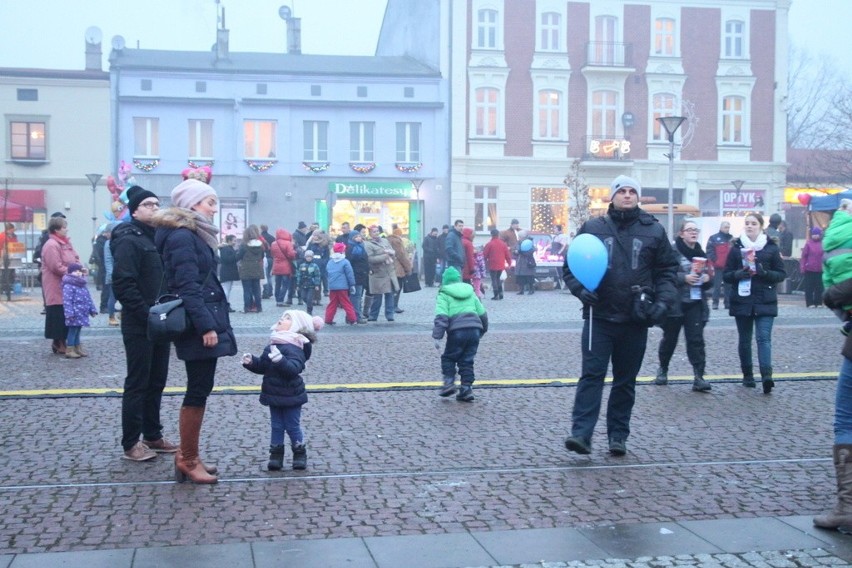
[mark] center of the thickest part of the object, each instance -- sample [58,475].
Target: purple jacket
[77,301]
[811,260]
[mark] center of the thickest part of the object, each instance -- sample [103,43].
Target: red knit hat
[339,247]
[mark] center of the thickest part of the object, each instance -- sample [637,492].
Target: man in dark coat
[640,258]
[442,248]
[718,247]
[430,256]
[267,286]
[137,277]
[453,248]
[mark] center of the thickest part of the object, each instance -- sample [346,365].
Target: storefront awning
[32,198]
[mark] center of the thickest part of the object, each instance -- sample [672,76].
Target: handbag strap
[163,281]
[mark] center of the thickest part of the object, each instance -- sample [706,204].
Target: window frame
[734,42]
[256,139]
[362,141]
[549,32]
[149,144]
[733,120]
[660,35]
[486,34]
[315,140]
[550,116]
[486,111]
[408,138]
[485,206]
[27,121]
[198,139]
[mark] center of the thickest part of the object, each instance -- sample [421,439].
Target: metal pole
[670,228]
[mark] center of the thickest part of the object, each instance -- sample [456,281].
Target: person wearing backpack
[718,247]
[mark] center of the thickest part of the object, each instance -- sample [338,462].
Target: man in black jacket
[453,249]
[430,256]
[640,258]
[137,277]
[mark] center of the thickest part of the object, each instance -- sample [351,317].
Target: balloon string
[591,319]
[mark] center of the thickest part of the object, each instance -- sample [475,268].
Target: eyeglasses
[150,204]
[692,230]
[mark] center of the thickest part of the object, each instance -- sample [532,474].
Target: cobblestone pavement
[389,460]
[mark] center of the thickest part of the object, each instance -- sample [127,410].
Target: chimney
[94,55]
[294,36]
[222,39]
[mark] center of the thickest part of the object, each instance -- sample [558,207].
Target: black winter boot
[465,394]
[698,382]
[766,379]
[662,376]
[841,516]
[300,456]
[276,458]
[449,387]
[748,376]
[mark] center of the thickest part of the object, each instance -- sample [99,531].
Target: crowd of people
[648,281]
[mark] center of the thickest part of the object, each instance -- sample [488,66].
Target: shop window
[548,207]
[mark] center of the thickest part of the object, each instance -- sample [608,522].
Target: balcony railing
[609,54]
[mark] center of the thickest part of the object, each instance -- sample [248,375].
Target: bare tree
[579,200]
[812,105]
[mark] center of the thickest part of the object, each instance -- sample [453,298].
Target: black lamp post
[93,179]
[671,124]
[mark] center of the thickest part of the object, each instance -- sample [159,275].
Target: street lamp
[671,124]
[738,184]
[93,179]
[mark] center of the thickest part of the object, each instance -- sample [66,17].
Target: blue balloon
[587,259]
[526,245]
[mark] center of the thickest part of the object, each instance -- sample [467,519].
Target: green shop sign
[401,190]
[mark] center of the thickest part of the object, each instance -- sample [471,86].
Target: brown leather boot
[841,516]
[71,352]
[187,463]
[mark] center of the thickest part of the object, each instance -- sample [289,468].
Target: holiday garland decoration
[196,165]
[146,166]
[259,166]
[362,167]
[316,167]
[408,167]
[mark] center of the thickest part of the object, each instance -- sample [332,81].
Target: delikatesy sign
[399,190]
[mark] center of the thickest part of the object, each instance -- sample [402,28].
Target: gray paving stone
[349,552]
[428,551]
[209,556]
[542,545]
[744,535]
[5,560]
[647,539]
[81,559]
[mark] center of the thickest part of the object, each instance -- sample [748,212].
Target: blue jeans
[73,337]
[251,295]
[460,351]
[285,419]
[624,343]
[356,301]
[306,294]
[843,405]
[282,286]
[747,327]
[377,303]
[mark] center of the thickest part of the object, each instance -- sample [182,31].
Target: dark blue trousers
[460,351]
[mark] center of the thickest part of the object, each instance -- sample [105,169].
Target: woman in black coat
[754,269]
[187,239]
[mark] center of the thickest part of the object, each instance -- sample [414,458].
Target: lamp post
[738,184]
[671,124]
[415,184]
[93,179]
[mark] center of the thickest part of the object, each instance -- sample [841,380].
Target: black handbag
[411,283]
[167,319]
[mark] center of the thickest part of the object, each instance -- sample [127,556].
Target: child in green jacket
[460,314]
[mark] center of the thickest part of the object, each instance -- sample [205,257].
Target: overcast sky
[50,33]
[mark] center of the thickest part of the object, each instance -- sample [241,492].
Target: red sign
[743,199]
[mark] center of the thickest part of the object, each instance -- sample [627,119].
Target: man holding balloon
[622,267]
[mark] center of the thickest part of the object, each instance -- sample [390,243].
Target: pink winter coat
[283,253]
[56,255]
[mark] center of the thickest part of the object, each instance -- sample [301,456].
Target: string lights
[146,166]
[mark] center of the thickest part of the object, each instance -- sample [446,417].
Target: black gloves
[742,274]
[657,313]
[588,297]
